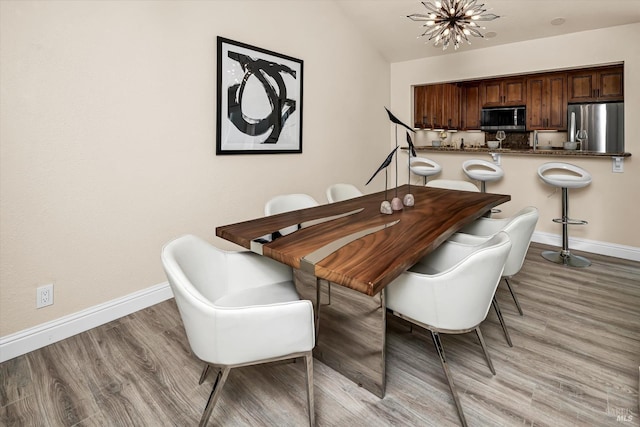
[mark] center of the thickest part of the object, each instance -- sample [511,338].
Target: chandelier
[452,21]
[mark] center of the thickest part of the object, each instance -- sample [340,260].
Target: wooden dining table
[345,253]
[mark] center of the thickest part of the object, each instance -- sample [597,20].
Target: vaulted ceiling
[385,22]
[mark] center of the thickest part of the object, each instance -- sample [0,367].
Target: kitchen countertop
[520,151]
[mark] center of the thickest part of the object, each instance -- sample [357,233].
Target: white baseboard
[42,335]
[602,248]
[47,333]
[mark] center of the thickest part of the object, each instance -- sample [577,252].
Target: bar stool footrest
[570,221]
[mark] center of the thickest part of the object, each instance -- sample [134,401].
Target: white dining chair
[238,309]
[450,291]
[453,184]
[287,203]
[340,192]
[519,227]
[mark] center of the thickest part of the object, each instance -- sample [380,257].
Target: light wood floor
[574,362]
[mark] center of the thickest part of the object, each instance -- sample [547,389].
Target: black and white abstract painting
[259,100]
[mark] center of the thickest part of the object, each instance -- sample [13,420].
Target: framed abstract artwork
[259,94]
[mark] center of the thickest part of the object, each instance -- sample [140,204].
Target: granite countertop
[522,151]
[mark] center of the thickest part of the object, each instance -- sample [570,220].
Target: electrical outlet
[44,295]
[618,164]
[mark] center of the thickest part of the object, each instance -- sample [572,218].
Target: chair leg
[214,396]
[438,344]
[484,349]
[310,400]
[204,373]
[513,295]
[504,326]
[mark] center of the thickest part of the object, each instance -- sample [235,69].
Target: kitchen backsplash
[515,140]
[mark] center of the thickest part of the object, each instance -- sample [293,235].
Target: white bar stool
[565,176]
[483,171]
[424,167]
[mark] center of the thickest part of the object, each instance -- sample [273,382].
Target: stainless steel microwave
[503,118]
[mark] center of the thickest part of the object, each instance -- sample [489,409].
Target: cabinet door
[547,102]
[582,86]
[419,107]
[436,94]
[514,92]
[610,84]
[557,102]
[451,105]
[470,109]
[536,103]
[491,93]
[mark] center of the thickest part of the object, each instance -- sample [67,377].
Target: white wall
[612,202]
[107,136]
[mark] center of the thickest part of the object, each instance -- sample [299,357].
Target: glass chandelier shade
[452,21]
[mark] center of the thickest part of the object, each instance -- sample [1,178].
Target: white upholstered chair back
[453,184]
[340,192]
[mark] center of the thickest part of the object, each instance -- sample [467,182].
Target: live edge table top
[363,250]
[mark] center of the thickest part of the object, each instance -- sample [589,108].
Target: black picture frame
[259,100]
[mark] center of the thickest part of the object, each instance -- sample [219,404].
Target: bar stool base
[566,258]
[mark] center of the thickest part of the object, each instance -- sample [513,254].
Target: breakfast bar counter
[555,151]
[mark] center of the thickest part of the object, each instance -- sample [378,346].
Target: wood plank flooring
[575,362]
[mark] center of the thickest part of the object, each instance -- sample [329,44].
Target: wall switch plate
[44,295]
[618,164]
[496,158]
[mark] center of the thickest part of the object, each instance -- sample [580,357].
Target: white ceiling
[385,22]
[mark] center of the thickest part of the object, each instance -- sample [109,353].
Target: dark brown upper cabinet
[458,105]
[596,84]
[547,101]
[437,106]
[503,92]
[470,106]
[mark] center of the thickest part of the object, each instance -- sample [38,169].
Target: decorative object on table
[493,144]
[452,21]
[259,100]
[385,207]
[408,199]
[501,136]
[396,203]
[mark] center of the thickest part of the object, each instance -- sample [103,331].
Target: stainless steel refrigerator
[604,123]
